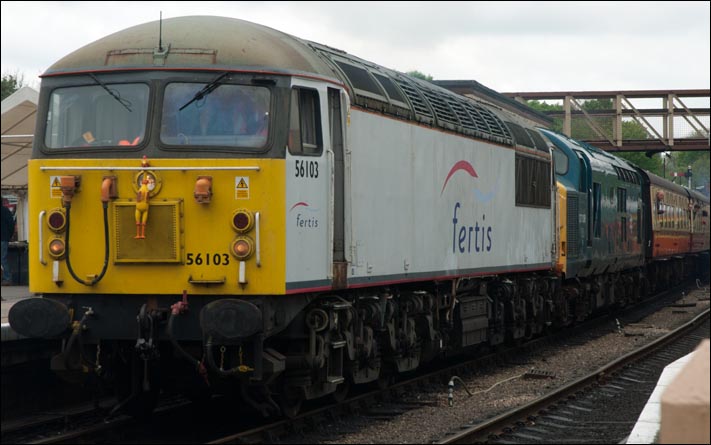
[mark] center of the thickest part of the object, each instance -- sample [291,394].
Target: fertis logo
[476,237]
[302,221]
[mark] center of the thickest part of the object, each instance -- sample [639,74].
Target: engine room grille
[573,244]
[442,111]
[497,126]
[533,182]
[162,241]
[415,98]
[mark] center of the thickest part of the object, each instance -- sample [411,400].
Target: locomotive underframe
[315,345]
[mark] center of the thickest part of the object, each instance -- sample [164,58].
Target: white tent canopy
[19,112]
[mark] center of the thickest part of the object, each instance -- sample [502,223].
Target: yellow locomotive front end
[157,226]
[206,226]
[158,202]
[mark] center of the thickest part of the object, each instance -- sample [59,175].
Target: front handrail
[40,244]
[258,248]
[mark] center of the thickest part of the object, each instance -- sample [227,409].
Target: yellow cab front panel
[197,215]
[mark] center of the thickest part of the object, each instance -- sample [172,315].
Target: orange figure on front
[142,208]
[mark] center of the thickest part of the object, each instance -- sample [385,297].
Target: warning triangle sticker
[242,184]
[56,183]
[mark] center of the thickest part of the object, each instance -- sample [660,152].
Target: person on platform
[8,229]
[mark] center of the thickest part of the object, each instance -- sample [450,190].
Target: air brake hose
[183,353]
[202,371]
[77,337]
[105,205]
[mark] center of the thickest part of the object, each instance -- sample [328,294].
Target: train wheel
[341,392]
[290,403]
[384,380]
[141,406]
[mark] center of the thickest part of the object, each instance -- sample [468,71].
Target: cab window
[105,115]
[305,123]
[228,116]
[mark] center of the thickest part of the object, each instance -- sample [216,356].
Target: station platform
[648,426]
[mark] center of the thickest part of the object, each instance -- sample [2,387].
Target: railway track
[387,404]
[589,410]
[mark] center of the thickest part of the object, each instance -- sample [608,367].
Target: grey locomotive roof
[204,41]
[221,43]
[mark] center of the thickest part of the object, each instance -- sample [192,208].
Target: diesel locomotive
[219,207]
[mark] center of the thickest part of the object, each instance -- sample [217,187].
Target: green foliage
[653,164]
[11,83]
[580,127]
[542,106]
[633,130]
[420,75]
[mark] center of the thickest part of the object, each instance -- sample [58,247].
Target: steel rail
[500,423]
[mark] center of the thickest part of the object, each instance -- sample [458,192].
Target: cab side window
[305,123]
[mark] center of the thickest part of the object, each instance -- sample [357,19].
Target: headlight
[242,247]
[56,248]
[242,220]
[56,220]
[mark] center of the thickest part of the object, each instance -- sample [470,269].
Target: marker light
[56,248]
[56,220]
[242,220]
[242,247]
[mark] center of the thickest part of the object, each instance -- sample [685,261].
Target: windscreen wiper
[207,89]
[126,103]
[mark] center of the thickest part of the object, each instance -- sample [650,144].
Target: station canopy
[19,112]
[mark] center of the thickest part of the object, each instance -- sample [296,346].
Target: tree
[420,75]
[11,83]
[653,164]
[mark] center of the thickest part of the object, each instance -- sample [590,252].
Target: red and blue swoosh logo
[469,169]
[463,166]
[299,204]
[306,206]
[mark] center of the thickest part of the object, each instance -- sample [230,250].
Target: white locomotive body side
[426,204]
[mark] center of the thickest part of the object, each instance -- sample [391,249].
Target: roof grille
[537,140]
[464,118]
[416,99]
[477,117]
[520,135]
[497,126]
[440,107]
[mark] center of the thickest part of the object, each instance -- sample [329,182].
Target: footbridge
[642,120]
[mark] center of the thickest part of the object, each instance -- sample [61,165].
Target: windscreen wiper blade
[126,103]
[207,89]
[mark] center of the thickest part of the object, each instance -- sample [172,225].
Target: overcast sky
[527,46]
